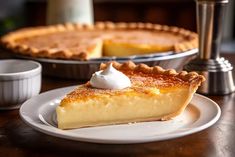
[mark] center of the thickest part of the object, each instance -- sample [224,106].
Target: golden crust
[9,41]
[191,77]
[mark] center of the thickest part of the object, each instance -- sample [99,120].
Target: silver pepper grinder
[217,70]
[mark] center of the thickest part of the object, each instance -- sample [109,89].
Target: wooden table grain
[19,140]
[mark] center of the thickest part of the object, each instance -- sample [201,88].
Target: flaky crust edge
[192,77]
[8,41]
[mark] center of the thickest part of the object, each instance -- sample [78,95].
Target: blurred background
[16,14]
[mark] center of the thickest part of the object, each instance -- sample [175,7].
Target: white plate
[39,113]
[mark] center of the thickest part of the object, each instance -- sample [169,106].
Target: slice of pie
[82,42]
[155,94]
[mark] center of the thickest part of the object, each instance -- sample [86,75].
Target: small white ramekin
[19,81]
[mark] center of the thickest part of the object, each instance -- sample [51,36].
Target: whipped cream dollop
[110,78]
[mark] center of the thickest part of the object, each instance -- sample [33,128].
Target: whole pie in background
[82,42]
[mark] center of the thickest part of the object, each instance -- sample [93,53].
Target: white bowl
[19,81]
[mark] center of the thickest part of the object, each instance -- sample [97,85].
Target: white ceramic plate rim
[29,114]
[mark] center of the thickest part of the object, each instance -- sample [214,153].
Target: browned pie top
[72,41]
[143,78]
[75,40]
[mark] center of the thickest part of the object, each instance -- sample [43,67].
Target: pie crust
[191,78]
[60,41]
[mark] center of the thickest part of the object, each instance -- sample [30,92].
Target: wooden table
[18,139]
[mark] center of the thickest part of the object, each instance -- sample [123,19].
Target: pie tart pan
[82,70]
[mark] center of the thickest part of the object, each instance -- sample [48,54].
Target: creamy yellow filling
[127,49]
[96,52]
[126,108]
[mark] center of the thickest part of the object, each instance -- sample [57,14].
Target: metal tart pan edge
[82,70]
